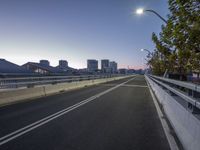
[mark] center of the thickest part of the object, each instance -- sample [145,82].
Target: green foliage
[178,44]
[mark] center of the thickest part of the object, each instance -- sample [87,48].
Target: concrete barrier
[185,124]
[13,96]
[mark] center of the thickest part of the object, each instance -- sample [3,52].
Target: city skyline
[43,67]
[63,62]
[76,31]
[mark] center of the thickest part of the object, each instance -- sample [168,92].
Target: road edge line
[171,140]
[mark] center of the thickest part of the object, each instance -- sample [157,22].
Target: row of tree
[178,44]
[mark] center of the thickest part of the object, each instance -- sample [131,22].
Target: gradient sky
[77,30]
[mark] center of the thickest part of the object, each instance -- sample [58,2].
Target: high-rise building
[92,65]
[105,66]
[44,63]
[63,64]
[113,67]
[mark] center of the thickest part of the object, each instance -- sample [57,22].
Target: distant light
[139,11]
[142,49]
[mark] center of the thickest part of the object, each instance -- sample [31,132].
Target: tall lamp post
[149,53]
[141,11]
[148,56]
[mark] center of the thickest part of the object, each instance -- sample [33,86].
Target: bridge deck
[122,118]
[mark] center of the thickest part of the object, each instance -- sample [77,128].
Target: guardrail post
[171,93]
[196,94]
[30,85]
[193,109]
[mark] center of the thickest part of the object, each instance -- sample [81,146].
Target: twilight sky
[77,30]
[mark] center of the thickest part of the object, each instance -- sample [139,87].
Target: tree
[156,64]
[179,41]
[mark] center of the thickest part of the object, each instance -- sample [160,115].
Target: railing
[27,82]
[188,92]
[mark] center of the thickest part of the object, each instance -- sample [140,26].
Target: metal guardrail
[191,86]
[187,91]
[8,83]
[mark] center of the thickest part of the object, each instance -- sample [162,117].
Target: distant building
[82,71]
[7,68]
[44,63]
[113,67]
[139,71]
[123,71]
[92,65]
[131,71]
[105,66]
[63,64]
[42,68]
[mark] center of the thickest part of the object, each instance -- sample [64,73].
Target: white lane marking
[134,85]
[47,119]
[170,138]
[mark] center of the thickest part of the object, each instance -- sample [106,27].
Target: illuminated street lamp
[149,53]
[148,56]
[141,11]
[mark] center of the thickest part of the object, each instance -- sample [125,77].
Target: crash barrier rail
[6,83]
[9,96]
[189,92]
[180,102]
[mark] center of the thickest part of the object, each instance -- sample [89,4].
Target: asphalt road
[119,115]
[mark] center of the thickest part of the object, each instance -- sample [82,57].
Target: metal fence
[189,93]
[28,82]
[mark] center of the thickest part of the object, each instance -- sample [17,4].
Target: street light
[148,56]
[149,53]
[141,11]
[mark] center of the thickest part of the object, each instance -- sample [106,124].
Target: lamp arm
[150,10]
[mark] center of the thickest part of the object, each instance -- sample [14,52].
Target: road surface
[118,115]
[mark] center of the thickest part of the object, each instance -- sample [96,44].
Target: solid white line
[19,130]
[47,119]
[128,85]
[172,143]
[134,85]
